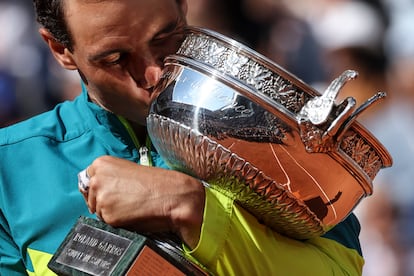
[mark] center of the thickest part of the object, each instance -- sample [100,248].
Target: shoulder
[62,123]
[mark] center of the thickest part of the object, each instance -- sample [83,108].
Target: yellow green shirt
[233,242]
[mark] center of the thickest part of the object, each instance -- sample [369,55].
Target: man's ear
[59,51]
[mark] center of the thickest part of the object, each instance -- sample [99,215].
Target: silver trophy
[295,159]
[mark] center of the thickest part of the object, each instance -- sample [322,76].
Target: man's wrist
[188,216]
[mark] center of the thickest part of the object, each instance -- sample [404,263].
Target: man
[118,46]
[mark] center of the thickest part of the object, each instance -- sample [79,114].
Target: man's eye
[161,37]
[113,59]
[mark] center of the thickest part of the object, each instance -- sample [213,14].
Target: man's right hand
[145,199]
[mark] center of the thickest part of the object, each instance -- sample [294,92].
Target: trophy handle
[370,102]
[321,125]
[319,108]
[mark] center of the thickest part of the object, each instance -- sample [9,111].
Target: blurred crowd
[315,40]
[30,80]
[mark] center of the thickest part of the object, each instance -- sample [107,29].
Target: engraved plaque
[95,248]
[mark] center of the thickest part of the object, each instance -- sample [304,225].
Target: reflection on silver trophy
[293,157]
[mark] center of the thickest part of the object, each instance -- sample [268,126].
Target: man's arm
[220,234]
[233,242]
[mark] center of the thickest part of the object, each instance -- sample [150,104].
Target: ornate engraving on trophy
[244,69]
[357,148]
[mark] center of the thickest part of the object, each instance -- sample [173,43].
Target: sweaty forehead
[140,7]
[118,15]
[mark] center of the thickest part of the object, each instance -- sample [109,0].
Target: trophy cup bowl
[291,156]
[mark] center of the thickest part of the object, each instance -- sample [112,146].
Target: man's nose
[146,69]
[152,75]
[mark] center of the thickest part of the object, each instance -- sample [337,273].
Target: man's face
[119,47]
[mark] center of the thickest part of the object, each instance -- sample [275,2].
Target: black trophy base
[93,247]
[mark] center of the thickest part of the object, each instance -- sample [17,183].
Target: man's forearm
[235,243]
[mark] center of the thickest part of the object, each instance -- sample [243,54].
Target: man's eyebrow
[169,28]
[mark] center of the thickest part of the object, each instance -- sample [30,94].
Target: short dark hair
[51,15]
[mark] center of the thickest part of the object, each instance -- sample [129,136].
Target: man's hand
[145,199]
